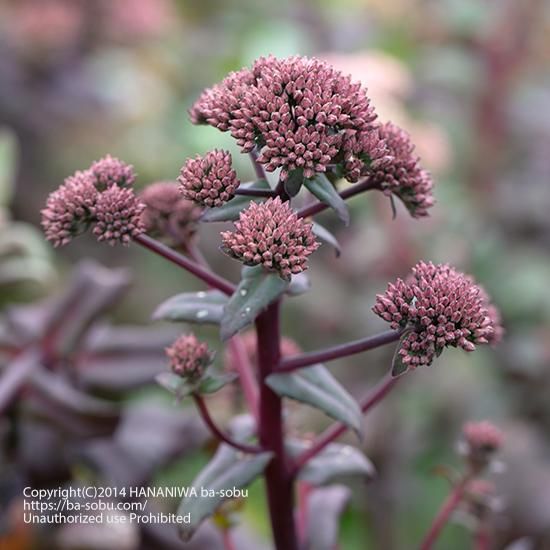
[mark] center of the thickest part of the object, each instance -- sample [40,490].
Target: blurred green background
[469,79]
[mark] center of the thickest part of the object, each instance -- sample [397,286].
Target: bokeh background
[469,79]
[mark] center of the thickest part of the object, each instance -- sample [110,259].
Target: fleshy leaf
[317,387]
[325,507]
[257,289]
[294,182]
[193,307]
[325,235]
[335,461]
[211,383]
[174,384]
[230,211]
[398,368]
[299,284]
[229,469]
[321,187]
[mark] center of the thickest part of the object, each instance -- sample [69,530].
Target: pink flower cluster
[299,113]
[403,176]
[438,307]
[189,357]
[209,180]
[98,196]
[169,215]
[482,436]
[271,234]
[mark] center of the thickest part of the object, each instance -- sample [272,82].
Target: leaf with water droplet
[260,288]
[324,190]
[231,210]
[317,387]
[193,307]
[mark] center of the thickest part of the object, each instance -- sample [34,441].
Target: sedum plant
[314,129]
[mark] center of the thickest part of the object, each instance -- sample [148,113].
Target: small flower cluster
[99,196]
[299,113]
[209,180]
[167,214]
[481,441]
[272,235]
[438,307]
[189,357]
[403,176]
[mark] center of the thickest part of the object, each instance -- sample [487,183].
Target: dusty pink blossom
[110,171]
[403,176]
[118,216]
[298,113]
[69,209]
[271,234]
[189,357]
[209,180]
[167,214]
[438,307]
[482,436]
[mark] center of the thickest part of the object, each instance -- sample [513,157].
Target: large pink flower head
[69,209]
[118,216]
[403,176]
[167,214]
[209,180]
[189,357]
[438,307]
[110,171]
[272,235]
[299,113]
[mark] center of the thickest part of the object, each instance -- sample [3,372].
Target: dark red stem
[258,168]
[453,500]
[336,430]
[279,482]
[336,352]
[255,192]
[205,415]
[351,191]
[211,279]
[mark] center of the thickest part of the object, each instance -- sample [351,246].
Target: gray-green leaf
[258,288]
[230,211]
[227,470]
[325,235]
[317,387]
[294,182]
[334,462]
[321,187]
[193,307]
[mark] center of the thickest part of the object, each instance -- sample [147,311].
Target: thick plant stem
[258,168]
[205,415]
[255,192]
[279,483]
[336,430]
[210,278]
[445,512]
[351,191]
[336,352]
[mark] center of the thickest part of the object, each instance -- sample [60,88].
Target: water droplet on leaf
[201,314]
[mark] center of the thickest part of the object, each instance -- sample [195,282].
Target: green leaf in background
[321,187]
[325,235]
[230,211]
[213,382]
[193,307]
[325,506]
[8,163]
[317,387]
[294,182]
[335,461]
[258,288]
[229,469]
[209,383]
